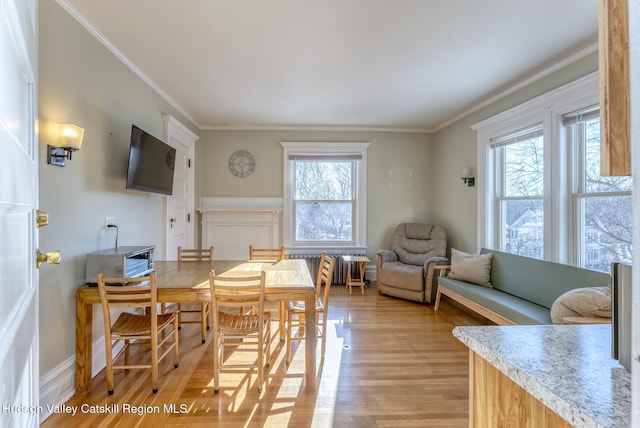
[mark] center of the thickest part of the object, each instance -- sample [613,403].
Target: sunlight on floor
[368,360]
[238,386]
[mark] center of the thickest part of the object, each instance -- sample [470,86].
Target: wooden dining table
[185,282]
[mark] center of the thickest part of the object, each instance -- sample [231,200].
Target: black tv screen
[151,163]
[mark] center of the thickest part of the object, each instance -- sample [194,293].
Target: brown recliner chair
[407,270]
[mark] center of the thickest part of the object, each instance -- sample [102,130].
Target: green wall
[456,146]
[400,178]
[82,82]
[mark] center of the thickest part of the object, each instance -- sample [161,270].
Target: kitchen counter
[567,367]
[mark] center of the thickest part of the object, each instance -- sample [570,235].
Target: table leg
[84,321]
[362,266]
[310,340]
[349,281]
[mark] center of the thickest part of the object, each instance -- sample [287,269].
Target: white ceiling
[344,64]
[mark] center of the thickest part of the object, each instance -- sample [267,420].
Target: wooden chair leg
[109,354]
[323,332]
[281,321]
[268,342]
[176,341]
[216,364]
[163,308]
[207,312]
[260,361]
[203,321]
[154,362]
[126,352]
[289,329]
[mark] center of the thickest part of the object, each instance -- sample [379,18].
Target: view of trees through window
[522,210]
[323,199]
[602,205]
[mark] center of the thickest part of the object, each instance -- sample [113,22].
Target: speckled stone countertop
[567,367]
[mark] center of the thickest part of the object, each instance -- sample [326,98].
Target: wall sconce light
[467,176]
[69,139]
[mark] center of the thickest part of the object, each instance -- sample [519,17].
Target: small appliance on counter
[123,262]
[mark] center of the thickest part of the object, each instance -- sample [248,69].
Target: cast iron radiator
[313,263]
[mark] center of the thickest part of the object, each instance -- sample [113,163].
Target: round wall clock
[241,163]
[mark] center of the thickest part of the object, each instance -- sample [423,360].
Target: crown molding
[524,83]
[581,53]
[102,39]
[276,128]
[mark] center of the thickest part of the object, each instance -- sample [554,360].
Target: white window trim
[360,232]
[547,109]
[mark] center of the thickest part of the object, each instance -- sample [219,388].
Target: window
[323,200]
[541,192]
[325,195]
[519,169]
[602,204]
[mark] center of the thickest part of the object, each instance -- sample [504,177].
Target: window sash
[608,250]
[523,134]
[300,203]
[335,239]
[318,157]
[593,247]
[355,152]
[583,115]
[352,190]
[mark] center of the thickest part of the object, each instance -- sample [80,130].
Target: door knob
[52,257]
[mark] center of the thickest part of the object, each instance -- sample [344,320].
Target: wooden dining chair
[251,330]
[201,309]
[295,311]
[136,329]
[275,254]
[267,255]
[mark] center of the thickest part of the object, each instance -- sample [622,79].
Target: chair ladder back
[195,254]
[325,273]
[129,298]
[199,314]
[275,254]
[325,278]
[296,312]
[252,328]
[142,295]
[237,292]
[131,326]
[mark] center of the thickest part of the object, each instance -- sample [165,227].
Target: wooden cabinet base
[497,401]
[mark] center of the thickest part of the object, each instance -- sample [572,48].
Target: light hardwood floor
[389,363]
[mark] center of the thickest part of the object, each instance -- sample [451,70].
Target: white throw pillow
[582,302]
[474,268]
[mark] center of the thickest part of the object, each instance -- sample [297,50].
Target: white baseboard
[58,386]
[370,272]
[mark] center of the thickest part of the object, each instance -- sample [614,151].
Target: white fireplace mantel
[231,224]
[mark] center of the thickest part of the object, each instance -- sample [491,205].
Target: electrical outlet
[108,221]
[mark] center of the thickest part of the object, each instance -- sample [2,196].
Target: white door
[19,377]
[180,207]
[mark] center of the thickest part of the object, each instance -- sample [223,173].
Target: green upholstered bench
[524,289]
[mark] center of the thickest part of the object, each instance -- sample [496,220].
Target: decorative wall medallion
[241,163]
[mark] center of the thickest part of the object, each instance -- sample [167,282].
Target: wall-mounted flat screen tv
[151,163]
